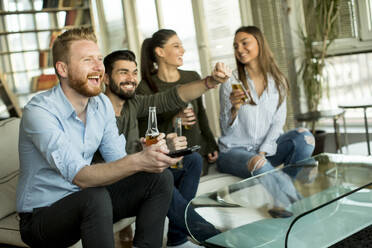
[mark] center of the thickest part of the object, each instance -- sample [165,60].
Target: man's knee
[164,181]
[96,200]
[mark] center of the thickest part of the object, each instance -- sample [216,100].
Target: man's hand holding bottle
[154,157]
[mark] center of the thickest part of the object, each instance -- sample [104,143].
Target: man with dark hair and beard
[61,197]
[121,81]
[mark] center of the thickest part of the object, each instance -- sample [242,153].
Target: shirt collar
[66,108]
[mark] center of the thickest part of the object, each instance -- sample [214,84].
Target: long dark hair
[148,57]
[266,63]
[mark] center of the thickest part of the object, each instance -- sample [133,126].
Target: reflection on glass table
[272,210]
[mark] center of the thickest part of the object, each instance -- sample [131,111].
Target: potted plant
[321,31]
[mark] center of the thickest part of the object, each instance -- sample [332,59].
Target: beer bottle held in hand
[178,131]
[152,128]
[239,86]
[189,106]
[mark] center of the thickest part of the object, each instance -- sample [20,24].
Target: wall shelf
[43,30]
[48,10]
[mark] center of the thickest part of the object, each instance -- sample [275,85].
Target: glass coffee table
[330,200]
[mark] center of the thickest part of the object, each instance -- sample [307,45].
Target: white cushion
[9,131]
[9,168]
[123,223]
[9,231]
[8,195]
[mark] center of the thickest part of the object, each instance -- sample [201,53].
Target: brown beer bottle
[152,128]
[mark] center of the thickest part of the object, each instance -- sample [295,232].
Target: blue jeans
[293,146]
[186,183]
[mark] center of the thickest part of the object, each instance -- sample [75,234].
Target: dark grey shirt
[139,107]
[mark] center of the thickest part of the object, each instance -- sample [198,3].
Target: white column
[131,27]
[211,98]
[159,14]
[246,12]
[99,24]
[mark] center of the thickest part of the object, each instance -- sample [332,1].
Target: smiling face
[172,52]
[123,80]
[85,67]
[246,48]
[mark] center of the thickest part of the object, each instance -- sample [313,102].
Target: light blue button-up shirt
[54,144]
[256,127]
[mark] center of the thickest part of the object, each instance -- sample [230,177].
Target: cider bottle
[189,106]
[152,128]
[178,131]
[239,86]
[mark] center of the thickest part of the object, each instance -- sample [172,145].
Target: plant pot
[320,137]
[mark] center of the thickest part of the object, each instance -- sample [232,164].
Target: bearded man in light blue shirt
[61,198]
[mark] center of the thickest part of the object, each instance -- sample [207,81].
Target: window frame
[365,19]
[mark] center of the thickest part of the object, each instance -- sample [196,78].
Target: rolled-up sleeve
[47,134]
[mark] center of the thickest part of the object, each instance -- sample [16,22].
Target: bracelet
[207,85]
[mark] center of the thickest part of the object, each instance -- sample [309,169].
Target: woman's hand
[175,142]
[236,98]
[220,73]
[187,116]
[212,157]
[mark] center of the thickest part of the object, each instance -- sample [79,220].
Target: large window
[349,82]
[178,16]
[223,19]
[348,72]
[365,19]
[147,19]
[115,31]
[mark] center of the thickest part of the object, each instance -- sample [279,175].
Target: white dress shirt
[256,127]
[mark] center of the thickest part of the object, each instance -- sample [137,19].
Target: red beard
[82,86]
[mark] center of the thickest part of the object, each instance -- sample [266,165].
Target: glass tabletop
[330,199]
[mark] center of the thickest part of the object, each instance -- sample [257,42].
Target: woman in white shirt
[252,140]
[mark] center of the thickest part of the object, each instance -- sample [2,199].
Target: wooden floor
[123,239]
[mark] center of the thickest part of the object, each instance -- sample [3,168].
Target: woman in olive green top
[165,49]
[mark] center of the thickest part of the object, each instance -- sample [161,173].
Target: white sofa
[9,171]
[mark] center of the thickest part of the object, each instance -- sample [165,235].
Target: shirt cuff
[68,169]
[270,149]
